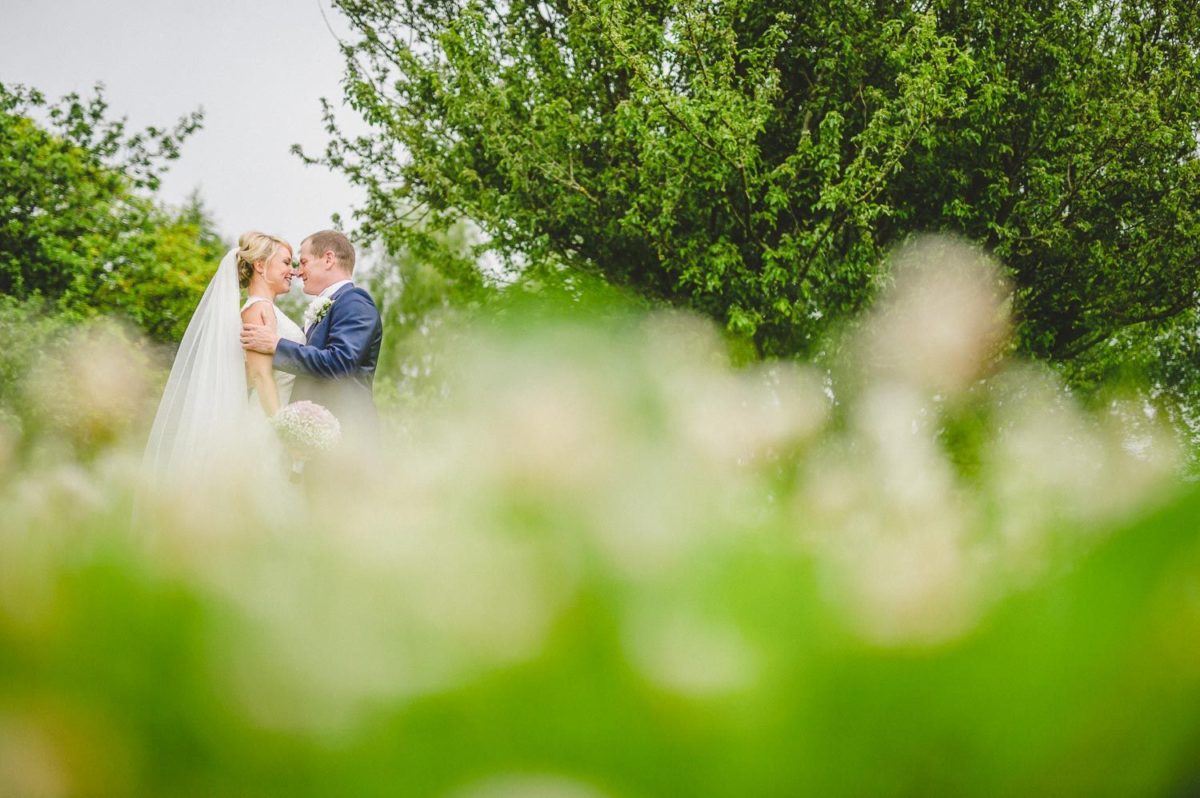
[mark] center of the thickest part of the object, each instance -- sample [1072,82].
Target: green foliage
[754,159]
[67,385]
[609,564]
[427,299]
[170,261]
[1075,160]
[1078,686]
[418,289]
[1158,364]
[80,230]
[28,334]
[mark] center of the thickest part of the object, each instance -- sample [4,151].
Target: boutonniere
[316,310]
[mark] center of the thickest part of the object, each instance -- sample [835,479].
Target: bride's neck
[258,287]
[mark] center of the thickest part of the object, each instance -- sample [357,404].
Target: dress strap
[254,299]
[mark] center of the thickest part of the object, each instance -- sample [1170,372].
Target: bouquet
[307,429]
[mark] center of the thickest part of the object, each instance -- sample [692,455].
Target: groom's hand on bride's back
[259,338]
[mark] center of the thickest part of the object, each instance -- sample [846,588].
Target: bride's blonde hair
[254,246]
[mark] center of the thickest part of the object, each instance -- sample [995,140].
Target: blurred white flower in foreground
[516,785]
[942,321]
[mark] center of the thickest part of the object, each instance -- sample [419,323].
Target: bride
[218,397]
[265,271]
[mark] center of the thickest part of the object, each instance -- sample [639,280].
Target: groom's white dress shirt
[333,289]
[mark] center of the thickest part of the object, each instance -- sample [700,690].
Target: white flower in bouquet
[307,429]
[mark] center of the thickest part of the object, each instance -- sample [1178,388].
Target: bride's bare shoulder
[259,313]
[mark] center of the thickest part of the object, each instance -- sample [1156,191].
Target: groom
[336,368]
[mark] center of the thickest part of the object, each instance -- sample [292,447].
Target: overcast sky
[257,67]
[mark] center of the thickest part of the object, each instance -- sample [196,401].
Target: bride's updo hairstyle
[253,247]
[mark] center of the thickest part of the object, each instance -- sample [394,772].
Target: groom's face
[312,271]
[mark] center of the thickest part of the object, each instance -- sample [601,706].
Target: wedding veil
[203,409]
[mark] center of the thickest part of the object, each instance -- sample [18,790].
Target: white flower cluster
[316,310]
[307,429]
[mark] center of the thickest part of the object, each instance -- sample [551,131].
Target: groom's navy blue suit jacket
[336,368]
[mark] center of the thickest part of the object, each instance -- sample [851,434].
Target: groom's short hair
[335,242]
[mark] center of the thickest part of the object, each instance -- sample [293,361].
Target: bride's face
[277,271]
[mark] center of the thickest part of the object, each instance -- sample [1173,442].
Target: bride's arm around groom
[343,331]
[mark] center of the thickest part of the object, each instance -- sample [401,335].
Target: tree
[1075,161]
[755,159]
[81,230]
[416,295]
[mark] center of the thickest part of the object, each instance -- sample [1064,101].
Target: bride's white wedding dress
[207,417]
[291,331]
